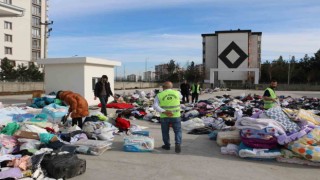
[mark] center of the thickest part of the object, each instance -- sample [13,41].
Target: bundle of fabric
[118,105]
[260,124]
[247,152]
[192,124]
[302,115]
[278,115]
[264,139]
[259,134]
[228,137]
[308,146]
[230,149]
[293,158]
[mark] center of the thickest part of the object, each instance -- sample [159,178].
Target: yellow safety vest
[194,89]
[270,104]
[169,100]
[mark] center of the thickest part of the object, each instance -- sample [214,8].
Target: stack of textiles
[259,138]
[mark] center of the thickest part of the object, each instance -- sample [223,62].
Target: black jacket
[185,88]
[98,89]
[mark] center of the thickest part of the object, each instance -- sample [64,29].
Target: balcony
[8,10]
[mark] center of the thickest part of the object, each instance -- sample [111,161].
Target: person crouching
[78,106]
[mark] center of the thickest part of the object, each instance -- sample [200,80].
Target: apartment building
[24,36]
[132,78]
[148,76]
[233,55]
[161,71]
[199,68]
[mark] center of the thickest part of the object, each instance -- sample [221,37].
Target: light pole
[46,35]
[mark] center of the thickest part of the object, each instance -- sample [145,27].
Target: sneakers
[165,147]
[178,148]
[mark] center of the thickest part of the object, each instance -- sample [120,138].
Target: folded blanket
[247,152]
[278,115]
[266,133]
[308,146]
[259,124]
[287,138]
[260,143]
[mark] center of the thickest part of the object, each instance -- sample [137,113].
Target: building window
[36,10]
[7,25]
[7,38]
[36,33]
[35,54]
[7,50]
[36,43]
[35,21]
[8,1]
[36,2]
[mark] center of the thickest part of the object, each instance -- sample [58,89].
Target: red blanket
[118,105]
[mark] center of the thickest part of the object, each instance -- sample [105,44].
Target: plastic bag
[135,143]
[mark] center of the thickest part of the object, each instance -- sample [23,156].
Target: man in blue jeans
[167,103]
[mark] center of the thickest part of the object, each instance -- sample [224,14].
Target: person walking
[167,103]
[78,106]
[195,90]
[269,97]
[185,91]
[103,91]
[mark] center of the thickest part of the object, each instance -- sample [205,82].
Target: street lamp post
[46,35]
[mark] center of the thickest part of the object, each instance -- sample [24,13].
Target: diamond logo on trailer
[233,47]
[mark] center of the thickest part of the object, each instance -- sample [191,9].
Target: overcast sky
[142,33]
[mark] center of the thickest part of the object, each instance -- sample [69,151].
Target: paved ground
[200,157]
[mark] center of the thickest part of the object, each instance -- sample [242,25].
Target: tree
[34,74]
[8,73]
[22,74]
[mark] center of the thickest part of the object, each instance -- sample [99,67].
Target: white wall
[224,39]
[91,71]
[76,74]
[64,77]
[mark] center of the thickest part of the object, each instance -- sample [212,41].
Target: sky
[144,33]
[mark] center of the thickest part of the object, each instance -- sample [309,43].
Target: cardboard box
[26,134]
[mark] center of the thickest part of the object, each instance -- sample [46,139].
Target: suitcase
[63,166]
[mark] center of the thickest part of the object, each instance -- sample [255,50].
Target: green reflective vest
[169,100]
[195,89]
[270,104]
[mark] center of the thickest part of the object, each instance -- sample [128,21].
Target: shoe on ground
[178,148]
[165,147]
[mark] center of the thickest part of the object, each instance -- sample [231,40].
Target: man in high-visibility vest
[167,103]
[195,90]
[269,97]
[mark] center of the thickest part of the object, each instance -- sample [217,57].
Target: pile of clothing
[34,143]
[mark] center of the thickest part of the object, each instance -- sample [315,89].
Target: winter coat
[78,104]
[98,89]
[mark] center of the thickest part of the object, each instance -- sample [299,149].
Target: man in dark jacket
[103,91]
[185,91]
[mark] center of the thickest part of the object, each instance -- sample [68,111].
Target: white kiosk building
[78,74]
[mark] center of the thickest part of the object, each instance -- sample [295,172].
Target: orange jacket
[78,104]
